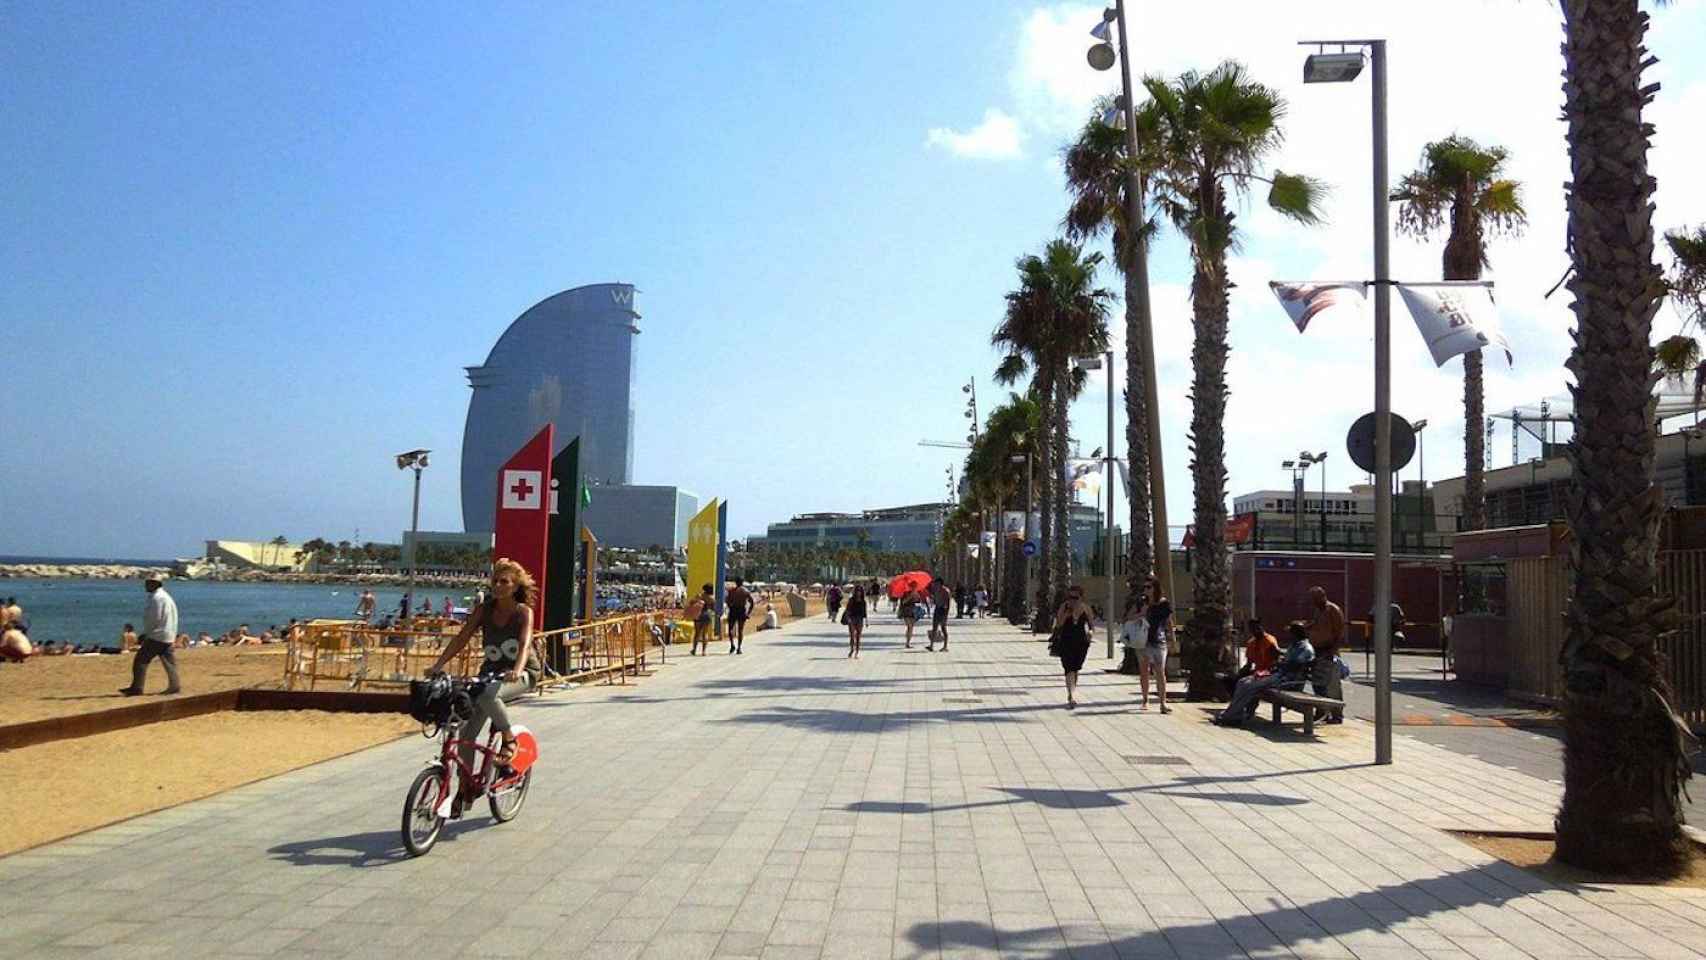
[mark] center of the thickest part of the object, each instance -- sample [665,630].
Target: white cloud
[996,138]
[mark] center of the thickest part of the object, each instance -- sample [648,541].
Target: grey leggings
[489,704]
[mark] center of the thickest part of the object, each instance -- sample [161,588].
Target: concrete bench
[1304,703]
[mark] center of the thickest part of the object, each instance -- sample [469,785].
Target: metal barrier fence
[1538,590]
[356,656]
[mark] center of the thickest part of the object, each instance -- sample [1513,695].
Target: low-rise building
[914,528]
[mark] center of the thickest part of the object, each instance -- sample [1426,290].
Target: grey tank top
[502,642]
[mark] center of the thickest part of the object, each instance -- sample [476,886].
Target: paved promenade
[791,803]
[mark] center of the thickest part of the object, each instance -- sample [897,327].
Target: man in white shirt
[159,629]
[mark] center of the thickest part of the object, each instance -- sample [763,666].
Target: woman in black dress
[855,620]
[1072,639]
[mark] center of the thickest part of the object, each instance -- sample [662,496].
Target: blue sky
[252,250]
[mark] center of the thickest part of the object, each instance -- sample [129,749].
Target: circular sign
[1360,442]
[1029,549]
[1101,56]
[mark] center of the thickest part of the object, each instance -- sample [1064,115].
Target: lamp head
[1332,67]
[965,388]
[1101,56]
[1289,464]
[412,458]
[1100,31]
[1419,425]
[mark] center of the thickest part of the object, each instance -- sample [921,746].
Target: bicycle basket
[430,700]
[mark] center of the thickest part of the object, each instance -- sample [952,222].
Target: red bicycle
[448,785]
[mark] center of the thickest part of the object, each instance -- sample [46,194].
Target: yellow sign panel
[702,552]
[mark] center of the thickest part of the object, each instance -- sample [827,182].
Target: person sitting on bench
[1293,670]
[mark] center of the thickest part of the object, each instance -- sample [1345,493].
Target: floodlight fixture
[1100,31]
[1088,363]
[1341,67]
[412,458]
[965,388]
[1288,464]
[1419,425]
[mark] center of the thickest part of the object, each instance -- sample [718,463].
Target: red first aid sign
[523,521]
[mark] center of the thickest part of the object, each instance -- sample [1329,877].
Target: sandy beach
[43,687]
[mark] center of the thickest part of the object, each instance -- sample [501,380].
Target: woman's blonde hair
[524,585]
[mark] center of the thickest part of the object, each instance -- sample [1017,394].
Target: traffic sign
[1029,549]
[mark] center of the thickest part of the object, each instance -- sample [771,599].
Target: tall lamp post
[970,388]
[1343,66]
[1092,363]
[1102,57]
[1030,497]
[416,459]
[1422,516]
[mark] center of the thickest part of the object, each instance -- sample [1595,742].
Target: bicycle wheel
[421,822]
[506,803]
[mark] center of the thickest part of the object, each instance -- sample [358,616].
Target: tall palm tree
[1099,169]
[1215,130]
[1625,749]
[1057,313]
[1460,182]
[996,480]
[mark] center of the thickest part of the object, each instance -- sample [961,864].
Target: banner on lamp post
[1304,300]
[1455,317]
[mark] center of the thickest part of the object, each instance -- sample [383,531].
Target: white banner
[1087,476]
[1455,317]
[1304,300]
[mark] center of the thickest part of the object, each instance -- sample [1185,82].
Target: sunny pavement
[789,802]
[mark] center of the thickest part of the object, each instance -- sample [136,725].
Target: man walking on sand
[159,628]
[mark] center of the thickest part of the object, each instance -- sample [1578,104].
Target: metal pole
[1323,465]
[1030,498]
[1151,392]
[414,537]
[1382,424]
[1108,480]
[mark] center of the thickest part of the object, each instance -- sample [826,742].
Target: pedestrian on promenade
[700,611]
[855,620]
[159,629]
[832,600]
[980,604]
[1157,639]
[959,601]
[1327,635]
[1071,641]
[740,603]
[911,606]
[939,596]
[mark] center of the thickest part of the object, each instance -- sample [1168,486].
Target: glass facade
[568,360]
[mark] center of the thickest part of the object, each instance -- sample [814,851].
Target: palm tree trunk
[1045,494]
[1062,561]
[1625,756]
[1474,440]
[1207,645]
[1141,549]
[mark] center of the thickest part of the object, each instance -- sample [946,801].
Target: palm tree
[1100,173]
[1460,183]
[1625,749]
[1057,313]
[1680,355]
[1215,130]
[997,481]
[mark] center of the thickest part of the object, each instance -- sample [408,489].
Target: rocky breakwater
[81,571]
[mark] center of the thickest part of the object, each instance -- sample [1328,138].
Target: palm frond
[1687,281]
[1297,196]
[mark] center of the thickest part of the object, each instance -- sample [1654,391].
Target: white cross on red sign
[521,489]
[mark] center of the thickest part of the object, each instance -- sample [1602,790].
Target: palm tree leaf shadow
[1283,926]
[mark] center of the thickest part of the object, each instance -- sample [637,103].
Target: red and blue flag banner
[524,512]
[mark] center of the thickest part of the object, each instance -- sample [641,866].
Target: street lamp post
[1101,58]
[1422,518]
[417,459]
[1091,363]
[1030,497]
[1341,67]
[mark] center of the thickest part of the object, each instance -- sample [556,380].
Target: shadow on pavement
[1308,929]
[1056,798]
[375,849]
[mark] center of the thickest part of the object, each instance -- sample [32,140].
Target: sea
[65,610]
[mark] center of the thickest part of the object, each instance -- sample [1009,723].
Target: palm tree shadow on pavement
[1284,928]
[1061,798]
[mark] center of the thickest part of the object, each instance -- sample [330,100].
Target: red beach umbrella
[916,580]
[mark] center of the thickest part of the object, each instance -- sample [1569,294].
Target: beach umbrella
[916,580]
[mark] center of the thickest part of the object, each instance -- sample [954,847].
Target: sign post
[523,515]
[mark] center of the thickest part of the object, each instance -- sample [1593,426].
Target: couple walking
[1151,619]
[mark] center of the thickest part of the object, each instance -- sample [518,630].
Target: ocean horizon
[81,561]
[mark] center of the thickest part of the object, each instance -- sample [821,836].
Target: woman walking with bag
[1071,641]
[1152,659]
[854,617]
[701,612]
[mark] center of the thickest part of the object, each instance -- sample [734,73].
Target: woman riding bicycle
[505,622]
